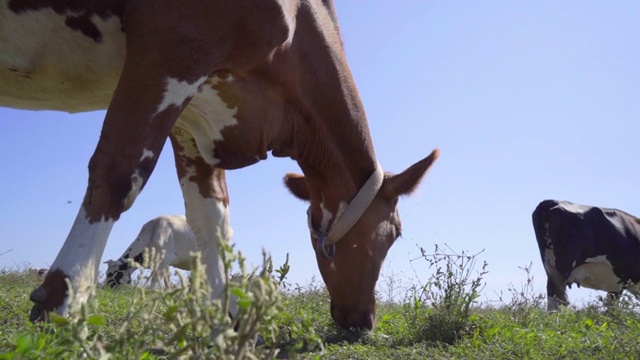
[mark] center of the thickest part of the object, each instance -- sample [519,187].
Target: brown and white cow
[227,82]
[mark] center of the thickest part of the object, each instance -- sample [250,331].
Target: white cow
[166,240]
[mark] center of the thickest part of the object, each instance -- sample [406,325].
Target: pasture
[440,319]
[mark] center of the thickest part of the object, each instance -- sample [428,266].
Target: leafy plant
[440,310]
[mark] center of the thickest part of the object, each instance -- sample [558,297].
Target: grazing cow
[39,271]
[594,247]
[166,240]
[227,81]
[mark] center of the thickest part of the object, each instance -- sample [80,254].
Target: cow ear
[297,185]
[407,181]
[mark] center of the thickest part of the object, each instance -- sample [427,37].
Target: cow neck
[327,134]
[340,168]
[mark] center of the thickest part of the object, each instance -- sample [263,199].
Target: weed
[440,310]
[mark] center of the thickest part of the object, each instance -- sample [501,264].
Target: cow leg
[207,206]
[162,272]
[157,276]
[166,280]
[154,276]
[556,294]
[612,298]
[150,96]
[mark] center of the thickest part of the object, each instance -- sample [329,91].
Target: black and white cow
[594,247]
[166,240]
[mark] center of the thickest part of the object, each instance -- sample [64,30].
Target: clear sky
[525,100]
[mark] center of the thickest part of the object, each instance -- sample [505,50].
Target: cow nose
[348,318]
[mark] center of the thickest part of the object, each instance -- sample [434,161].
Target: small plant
[201,328]
[440,310]
[524,298]
[304,320]
[391,286]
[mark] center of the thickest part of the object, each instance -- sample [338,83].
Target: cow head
[352,271]
[118,273]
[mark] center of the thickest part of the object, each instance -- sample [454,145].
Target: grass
[436,320]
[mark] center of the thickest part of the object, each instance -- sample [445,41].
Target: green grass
[438,320]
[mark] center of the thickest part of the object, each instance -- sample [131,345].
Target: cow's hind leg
[162,270]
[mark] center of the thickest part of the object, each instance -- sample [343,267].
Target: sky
[525,100]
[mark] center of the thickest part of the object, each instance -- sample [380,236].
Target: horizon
[525,102]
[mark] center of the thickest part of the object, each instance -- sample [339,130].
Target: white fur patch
[205,118]
[596,273]
[136,187]
[55,67]
[146,154]
[290,20]
[326,217]
[80,255]
[176,92]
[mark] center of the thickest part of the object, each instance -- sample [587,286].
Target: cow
[37,271]
[162,242]
[227,81]
[593,247]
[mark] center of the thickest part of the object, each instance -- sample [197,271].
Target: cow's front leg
[148,100]
[556,294]
[117,173]
[207,206]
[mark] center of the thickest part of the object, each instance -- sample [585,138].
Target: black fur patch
[78,12]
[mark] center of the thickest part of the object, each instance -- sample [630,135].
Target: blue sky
[525,100]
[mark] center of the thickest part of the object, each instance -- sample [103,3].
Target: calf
[38,271]
[598,248]
[167,240]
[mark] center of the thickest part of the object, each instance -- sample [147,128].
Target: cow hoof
[37,314]
[158,352]
[50,296]
[38,295]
